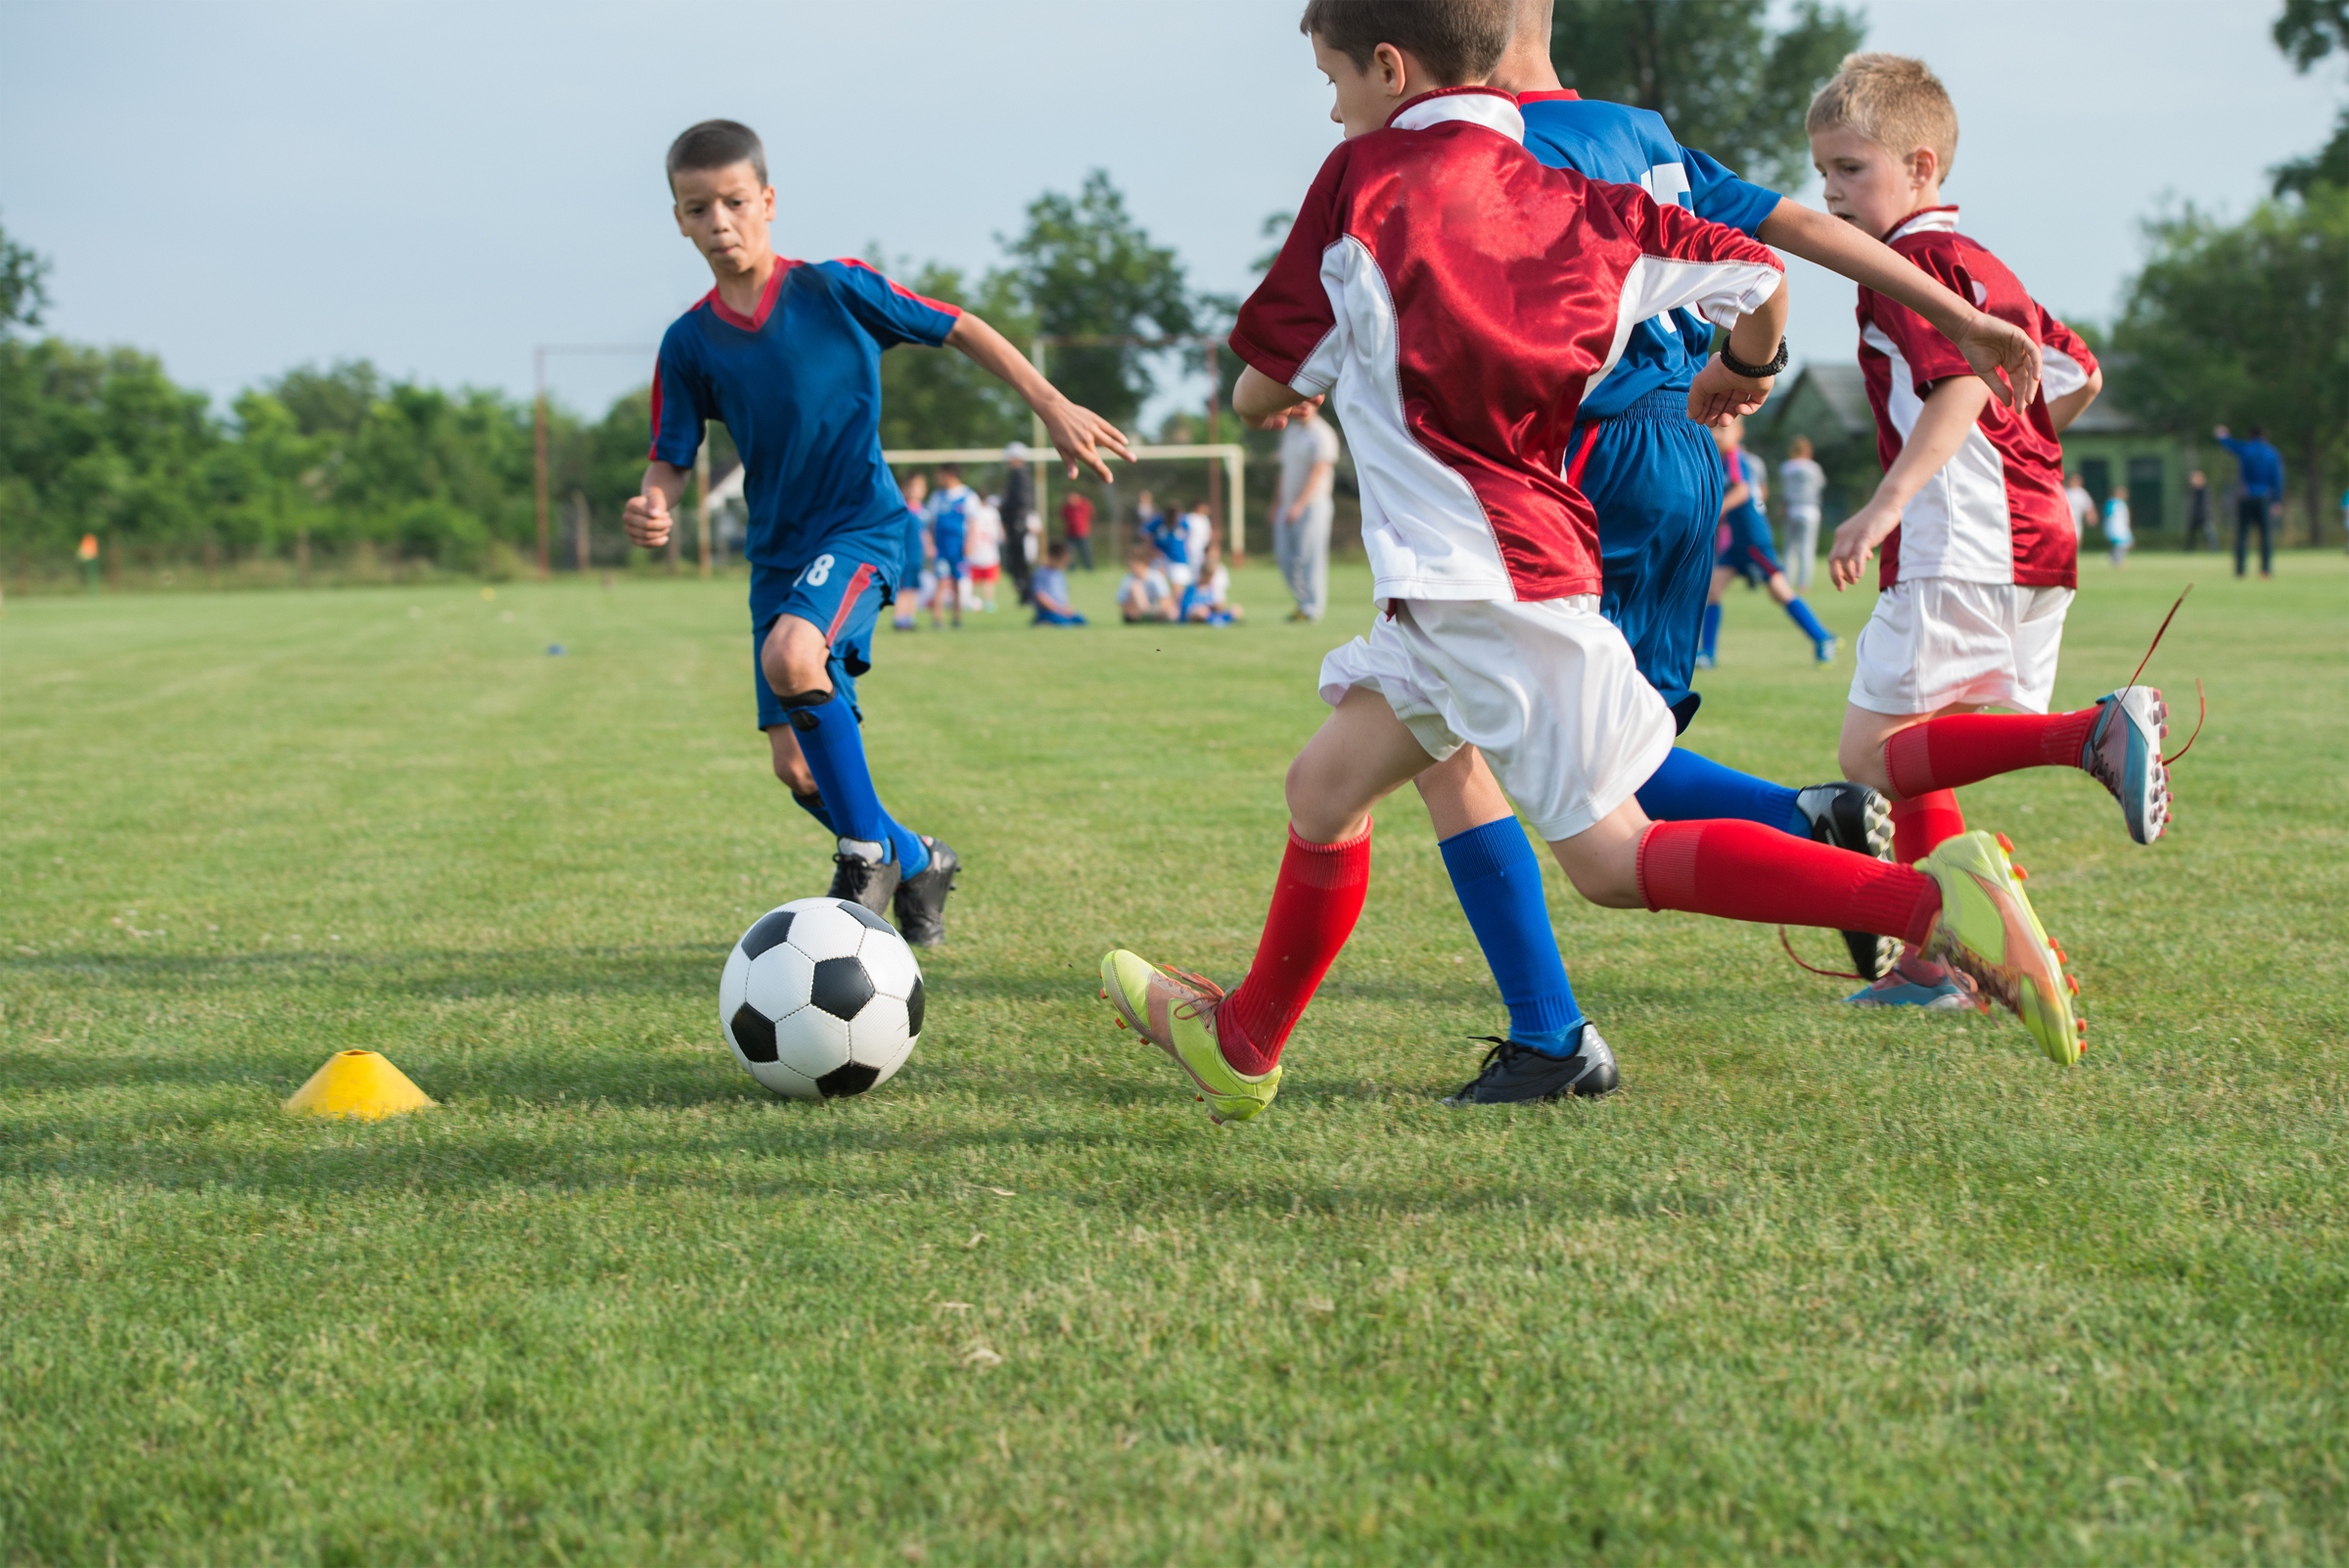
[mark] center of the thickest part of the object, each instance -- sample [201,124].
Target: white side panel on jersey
[2060,374]
[1719,291]
[1665,183]
[1423,526]
[1958,523]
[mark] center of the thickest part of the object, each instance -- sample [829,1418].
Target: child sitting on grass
[1050,586]
[1145,594]
[1211,596]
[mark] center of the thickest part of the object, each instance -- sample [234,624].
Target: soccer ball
[821,998]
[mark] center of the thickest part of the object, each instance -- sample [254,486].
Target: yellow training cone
[358,1084]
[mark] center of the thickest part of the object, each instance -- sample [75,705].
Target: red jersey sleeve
[1684,260]
[1289,314]
[2066,362]
[1931,358]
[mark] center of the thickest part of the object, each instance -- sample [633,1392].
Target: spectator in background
[1077,525]
[1051,582]
[1020,521]
[2197,512]
[914,569]
[2082,504]
[1144,594]
[1802,483]
[2259,475]
[983,552]
[1301,516]
[2118,535]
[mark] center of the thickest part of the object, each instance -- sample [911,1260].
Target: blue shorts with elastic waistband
[840,591]
[1655,477]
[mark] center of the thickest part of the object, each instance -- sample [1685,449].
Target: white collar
[1488,107]
[1930,220]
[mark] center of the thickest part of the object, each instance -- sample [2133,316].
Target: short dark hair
[716,144]
[1459,41]
[1057,551]
[2259,433]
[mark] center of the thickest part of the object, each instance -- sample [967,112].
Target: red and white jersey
[1997,511]
[1454,298]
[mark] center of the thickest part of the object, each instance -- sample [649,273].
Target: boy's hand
[1278,418]
[646,519]
[1857,540]
[1717,394]
[1990,345]
[1081,436]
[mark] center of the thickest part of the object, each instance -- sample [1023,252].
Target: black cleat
[871,883]
[1852,817]
[922,897]
[1514,1072]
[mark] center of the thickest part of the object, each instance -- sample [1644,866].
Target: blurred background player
[1022,531]
[1980,554]
[2259,492]
[2082,503]
[1302,512]
[1211,596]
[1051,584]
[949,519]
[2118,534]
[1802,485]
[982,551]
[1076,524]
[913,568]
[788,355]
[1144,593]
[1749,552]
[2199,532]
[1655,480]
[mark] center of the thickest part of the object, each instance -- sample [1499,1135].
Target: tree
[2307,33]
[2249,324]
[1724,81]
[21,293]
[1084,268]
[936,398]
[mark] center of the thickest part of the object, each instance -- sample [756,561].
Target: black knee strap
[802,708]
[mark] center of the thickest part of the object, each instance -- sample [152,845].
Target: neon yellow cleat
[1177,1012]
[1987,929]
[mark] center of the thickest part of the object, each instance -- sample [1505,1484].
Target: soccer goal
[1232,455]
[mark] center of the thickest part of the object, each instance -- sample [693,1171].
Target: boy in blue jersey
[915,562]
[788,355]
[1656,482]
[949,520]
[1748,551]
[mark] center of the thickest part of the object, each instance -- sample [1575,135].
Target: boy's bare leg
[1359,755]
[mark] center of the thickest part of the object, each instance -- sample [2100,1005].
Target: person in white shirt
[1301,517]
[2082,504]
[1144,594]
[1801,485]
[982,551]
[1211,600]
[2117,533]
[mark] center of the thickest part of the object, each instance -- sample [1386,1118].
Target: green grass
[1816,1286]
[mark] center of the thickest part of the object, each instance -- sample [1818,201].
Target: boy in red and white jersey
[1980,552]
[1456,298]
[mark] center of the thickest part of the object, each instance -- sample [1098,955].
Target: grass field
[1816,1286]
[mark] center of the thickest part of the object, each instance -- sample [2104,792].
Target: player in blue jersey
[1747,549]
[788,355]
[1656,482]
[948,524]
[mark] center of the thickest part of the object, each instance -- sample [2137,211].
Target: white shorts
[1937,641]
[1178,574]
[1548,691]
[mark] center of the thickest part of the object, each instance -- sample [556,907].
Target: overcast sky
[242,188]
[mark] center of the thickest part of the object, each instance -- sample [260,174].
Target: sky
[246,187]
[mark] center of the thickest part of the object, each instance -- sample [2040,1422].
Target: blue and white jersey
[1169,537]
[798,386]
[949,516]
[1628,146]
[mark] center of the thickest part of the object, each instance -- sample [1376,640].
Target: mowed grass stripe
[1816,1286]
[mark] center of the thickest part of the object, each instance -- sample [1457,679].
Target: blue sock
[1804,618]
[829,739]
[1711,634]
[813,805]
[1498,880]
[1690,787]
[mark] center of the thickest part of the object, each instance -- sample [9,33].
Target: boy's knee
[1862,762]
[1610,881]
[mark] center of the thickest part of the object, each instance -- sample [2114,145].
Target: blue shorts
[838,591]
[1655,477]
[1749,550]
[950,558]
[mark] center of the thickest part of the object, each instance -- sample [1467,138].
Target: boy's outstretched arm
[1718,392]
[1988,344]
[1950,409]
[650,512]
[1263,403]
[1078,434]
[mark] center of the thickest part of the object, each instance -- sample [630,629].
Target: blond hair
[1893,101]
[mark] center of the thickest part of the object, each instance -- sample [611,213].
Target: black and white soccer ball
[821,998]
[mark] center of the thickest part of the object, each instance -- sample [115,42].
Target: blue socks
[1803,618]
[1712,633]
[828,738]
[813,805]
[1689,788]
[1498,880]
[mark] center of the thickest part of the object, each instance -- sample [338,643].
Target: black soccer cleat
[1513,1072]
[870,883]
[922,897]
[1852,817]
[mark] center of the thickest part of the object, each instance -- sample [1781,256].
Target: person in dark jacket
[1019,519]
[2199,529]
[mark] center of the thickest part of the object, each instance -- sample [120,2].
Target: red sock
[1314,905]
[1941,753]
[1745,871]
[1923,824]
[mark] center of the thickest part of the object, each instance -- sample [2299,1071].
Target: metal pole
[1215,470]
[700,498]
[539,442]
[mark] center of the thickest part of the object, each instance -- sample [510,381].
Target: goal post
[1232,455]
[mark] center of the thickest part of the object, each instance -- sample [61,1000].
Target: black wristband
[1738,367]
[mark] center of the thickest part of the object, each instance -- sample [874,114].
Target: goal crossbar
[1232,455]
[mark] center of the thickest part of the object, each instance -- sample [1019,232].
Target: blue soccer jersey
[798,386]
[1628,146]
